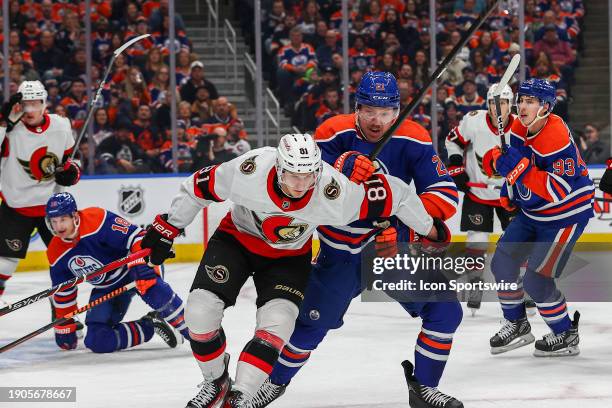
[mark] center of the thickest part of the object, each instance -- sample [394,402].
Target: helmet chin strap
[536,119]
[76,220]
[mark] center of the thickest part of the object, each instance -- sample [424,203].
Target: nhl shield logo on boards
[218,273]
[14,244]
[131,201]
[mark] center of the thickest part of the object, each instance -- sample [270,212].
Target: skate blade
[473,310]
[519,342]
[567,352]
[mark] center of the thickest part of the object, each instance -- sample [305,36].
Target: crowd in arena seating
[303,55]
[131,123]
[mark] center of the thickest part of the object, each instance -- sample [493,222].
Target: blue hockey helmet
[378,89]
[61,204]
[541,89]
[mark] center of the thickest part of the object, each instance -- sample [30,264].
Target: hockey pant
[546,250]
[331,288]
[107,333]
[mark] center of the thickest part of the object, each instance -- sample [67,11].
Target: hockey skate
[513,334]
[421,396]
[530,307]
[164,330]
[237,399]
[267,393]
[560,345]
[212,392]
[474,297]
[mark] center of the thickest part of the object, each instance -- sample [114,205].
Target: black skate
[212,392]
[164,330]
[474,297]
[530,307]
[421,396]
[513,334]
[267,393]
[560,345]
[237,399]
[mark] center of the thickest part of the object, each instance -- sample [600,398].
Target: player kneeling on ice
[86,240]
[280,196]
[548,180]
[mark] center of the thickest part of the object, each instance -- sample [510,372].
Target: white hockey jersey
[270,224]
[475,136]
[28,158]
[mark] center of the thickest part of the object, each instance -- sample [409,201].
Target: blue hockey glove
[512,165]
[66,335]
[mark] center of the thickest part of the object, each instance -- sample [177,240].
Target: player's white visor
[32,106]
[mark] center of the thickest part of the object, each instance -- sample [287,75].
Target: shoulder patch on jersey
[92,219]
[473,113]
[555,136]
[412,130]
[248,166]
[329,128]
[332,190]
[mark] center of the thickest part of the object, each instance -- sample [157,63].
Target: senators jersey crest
[280,229]
[42,164]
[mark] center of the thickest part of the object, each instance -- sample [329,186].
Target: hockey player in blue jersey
[345,142]
[548,180]
[86,240]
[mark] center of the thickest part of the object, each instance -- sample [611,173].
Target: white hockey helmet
[298,153]
[506,93]
[33,91]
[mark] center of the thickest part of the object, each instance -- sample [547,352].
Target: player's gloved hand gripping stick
[74,281]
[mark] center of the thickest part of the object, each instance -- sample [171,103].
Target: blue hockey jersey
[103,237]
[409,155]
[557,190]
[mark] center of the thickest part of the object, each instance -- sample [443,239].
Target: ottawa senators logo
[218,273]
[248,166]
[479,160]
[280,229]
[476,219]
[332,190]
[473,113]
[41,166]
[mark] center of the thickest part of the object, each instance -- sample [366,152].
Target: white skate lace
[266,393]
[433,396]
[207,393]
[551,339]
[507,329]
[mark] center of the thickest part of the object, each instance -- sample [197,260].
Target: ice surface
[357,366]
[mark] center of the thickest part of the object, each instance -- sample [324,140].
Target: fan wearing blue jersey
[86,240]
[335,280]
[548,180]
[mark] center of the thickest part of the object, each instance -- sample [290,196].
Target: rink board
[139,199]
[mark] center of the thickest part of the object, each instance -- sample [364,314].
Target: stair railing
[213,16]
[230,41]
[271,117]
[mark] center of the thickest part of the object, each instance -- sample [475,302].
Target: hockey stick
[74,281]
[62,320]
[436,74]
[514,63]
[93,103]
[482,185]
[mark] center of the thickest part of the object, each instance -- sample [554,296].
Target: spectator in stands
[154,63]
[146,135]
[453,73]
[390,24]
[222,112]
[68,36]
[478,7]
[159,84]
[157,17]
[48,59]
[280,38]
[330,105]
[545,69]
[185,114]
[324,52]
[184,150]
[310,16]
[76,103]
[46,20]
[470,100]
[360,56]
[136,88]
[30,36]
[388,63]
[406,91]
[235,143]
[202,107]
[318,38]
[196,79]
[101,127]
[77,66]
[294,60]
[360,29]
[420,67]
[120,154]
[274,18]
[405,72]
[53,93]
[210,149]
[560,52]
[593,149]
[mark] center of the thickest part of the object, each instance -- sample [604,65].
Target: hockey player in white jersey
[467,145]
[280,196]
[34,164]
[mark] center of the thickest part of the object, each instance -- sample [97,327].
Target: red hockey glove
[457,171]
[144,276]
[434,247]
[507,204]
[66,335]
[605,184]
[68,174]
[159,237]
[7,108]
[512,165]
[386,243]
[489,159]
[354,165]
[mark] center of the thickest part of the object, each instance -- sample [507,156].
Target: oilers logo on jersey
[81,265]
[42,164]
